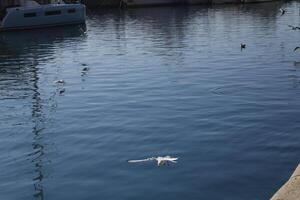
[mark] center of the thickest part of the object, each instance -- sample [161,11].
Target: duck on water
[28,14]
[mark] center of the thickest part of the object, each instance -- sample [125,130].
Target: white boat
[30,14]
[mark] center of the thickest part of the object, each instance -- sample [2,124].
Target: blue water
[161,81]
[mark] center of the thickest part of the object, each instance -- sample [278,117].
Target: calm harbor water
[162,81]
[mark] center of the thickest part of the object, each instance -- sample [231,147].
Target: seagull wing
[174,160]
[168,158]
[142,160]
[296,49]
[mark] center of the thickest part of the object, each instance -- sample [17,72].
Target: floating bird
[62,91]
[296,49]
[294,27]
[160,160]
[243,46]
[85,69]
[60,82]
[297,64]
[282,11]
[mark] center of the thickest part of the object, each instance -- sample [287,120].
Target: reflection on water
[21,55]
[38,153]
[36,43]
[161,81]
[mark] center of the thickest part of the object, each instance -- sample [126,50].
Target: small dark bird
[243,46]
[85,69]
[296,49]
[282,11]
[62,91]
[294,27]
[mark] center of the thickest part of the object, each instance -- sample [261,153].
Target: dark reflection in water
[21,53]
[37,43]
[20,56]
[38,147]
[161,81]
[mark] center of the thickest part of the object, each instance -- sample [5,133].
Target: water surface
[162,81]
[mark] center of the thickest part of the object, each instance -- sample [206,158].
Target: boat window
[30,15]
[53,12]
[72,10]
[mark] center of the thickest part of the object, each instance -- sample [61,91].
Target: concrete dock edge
[291,189]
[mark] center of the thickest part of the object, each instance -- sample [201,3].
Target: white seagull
[160,160]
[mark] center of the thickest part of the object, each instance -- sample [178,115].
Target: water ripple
[161,81]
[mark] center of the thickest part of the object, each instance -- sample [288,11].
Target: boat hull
[43,16]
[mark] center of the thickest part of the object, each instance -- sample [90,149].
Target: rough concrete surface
[291,189]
